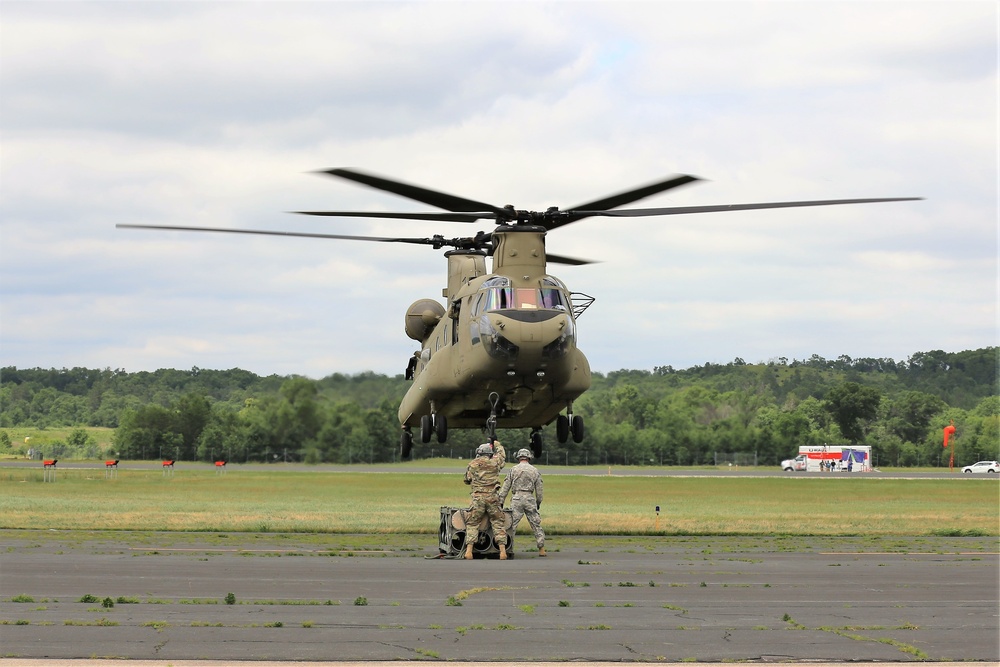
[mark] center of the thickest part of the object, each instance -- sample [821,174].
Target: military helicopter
[501,351]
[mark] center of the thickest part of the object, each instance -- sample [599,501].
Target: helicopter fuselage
[511,332]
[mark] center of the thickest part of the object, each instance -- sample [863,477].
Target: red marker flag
[948,432]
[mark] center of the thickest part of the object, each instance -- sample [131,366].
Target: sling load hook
[491,423]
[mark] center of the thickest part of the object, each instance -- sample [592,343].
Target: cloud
[213,114]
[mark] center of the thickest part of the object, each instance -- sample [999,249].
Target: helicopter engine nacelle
[421,318]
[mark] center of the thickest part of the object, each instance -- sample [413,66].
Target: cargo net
[735,459]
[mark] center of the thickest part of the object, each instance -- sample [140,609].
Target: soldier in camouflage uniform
[483,474]
[525,484]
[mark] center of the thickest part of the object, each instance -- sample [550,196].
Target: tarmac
[155,599]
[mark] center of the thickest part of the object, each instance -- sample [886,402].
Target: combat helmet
[485,449]
[524,454]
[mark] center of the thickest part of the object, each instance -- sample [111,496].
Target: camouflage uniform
[483,474]
[525,483]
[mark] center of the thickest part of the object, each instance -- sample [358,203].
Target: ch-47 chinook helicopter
[501,351]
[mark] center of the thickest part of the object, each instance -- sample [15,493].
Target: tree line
[762,412]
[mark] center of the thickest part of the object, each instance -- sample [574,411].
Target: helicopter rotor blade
[436,216]
[582,211]
[433,197]
[436,241]
[571,261]
[681,210]
[622,198]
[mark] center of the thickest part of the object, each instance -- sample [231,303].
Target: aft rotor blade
[433,197]
[436,216]
[262,232]
[680,210]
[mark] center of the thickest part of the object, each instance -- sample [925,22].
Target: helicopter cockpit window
[502,298]
[495,281]
[527,298]
[552,281]
[552,298]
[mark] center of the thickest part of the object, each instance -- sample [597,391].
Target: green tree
[910,414]
[193,413]
[853,407]
[84,443]
[147,433]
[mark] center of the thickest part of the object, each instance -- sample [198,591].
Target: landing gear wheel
[562,428]
[536,443]
[578,431]
[426,428]
[405,445]
[441,428]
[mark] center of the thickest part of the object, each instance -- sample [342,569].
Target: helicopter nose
[531,339]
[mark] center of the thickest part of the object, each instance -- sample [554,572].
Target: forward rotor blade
[680,210]
[562,259]
[445,217]
[417,193]
[262,232]
[613,201]
[622,198]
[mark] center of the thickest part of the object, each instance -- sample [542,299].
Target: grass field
[261,500]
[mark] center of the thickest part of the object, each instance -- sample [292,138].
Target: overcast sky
[216,114]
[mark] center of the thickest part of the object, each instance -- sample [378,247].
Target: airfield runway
[596,599]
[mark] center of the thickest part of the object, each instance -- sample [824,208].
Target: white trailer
[831,458]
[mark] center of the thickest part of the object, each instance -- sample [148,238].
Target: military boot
[541,551]
[503,552]
[468,552]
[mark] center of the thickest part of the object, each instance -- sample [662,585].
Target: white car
[983,466]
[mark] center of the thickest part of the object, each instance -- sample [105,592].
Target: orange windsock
[948,432]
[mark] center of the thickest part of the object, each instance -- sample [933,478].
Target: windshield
[521,298]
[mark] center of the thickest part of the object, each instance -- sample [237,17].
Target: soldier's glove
[538,505]
[467,480]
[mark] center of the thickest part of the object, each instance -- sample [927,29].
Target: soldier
[525,484]
[483,474]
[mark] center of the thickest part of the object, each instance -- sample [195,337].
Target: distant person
[411,366]
[483,475]
[525,484]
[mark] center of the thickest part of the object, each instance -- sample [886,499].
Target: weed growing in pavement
[99,622]
[156,625]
